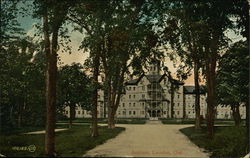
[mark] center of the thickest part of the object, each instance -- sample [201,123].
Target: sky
[27,23]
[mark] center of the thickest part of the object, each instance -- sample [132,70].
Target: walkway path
[43,131]
[149,140]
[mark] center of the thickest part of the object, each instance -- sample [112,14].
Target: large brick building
[149,96]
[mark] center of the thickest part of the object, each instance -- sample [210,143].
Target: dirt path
[150,140]
[43,131]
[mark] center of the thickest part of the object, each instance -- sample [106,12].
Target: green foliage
[10,30]
[233,81]
[22,85]
[74,87]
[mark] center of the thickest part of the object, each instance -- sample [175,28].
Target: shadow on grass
[71,143]
[227,142]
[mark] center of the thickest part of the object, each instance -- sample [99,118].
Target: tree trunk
[96,62]
[51,73]
[72,112]
[117,90]
[236,115]
[19,120]
[197,96]
[105,102]
[184,105]
[247,126]
[51,102]
[172,101]
[111,120]
[211,99]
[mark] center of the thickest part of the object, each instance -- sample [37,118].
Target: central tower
[154,68]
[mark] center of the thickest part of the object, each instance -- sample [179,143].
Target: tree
[213,41]
[182,33]
[87,15]
[10,28]
[9,35]
[233,82]
[53,14]
[114,41]
[203,35]
[74,88]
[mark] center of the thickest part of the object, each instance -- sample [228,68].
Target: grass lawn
[102,120]
[228,142]
[71,143]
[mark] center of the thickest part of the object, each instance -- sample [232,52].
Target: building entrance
[154,113]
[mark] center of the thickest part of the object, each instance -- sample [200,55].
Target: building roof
[153,79]
[191,90]
[134,81]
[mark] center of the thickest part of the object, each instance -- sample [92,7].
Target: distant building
[149,96]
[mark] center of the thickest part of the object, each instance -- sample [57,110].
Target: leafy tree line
[23,86]
[233,81]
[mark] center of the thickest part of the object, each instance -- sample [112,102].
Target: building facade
[150,96]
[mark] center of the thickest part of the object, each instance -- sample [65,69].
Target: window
[134,88]
[178,96]
[79,112]
[124,112]
[134,96]
[129,104]
[142,104]
[134,104]
[143,96]
[134,112]
[178,112]
[165,112]
[129,88]
[143,88]
[188,112]
[66,112]
[123,104]
[129,112]
[83,112]
[119,113]
[178,104]
[129,96]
